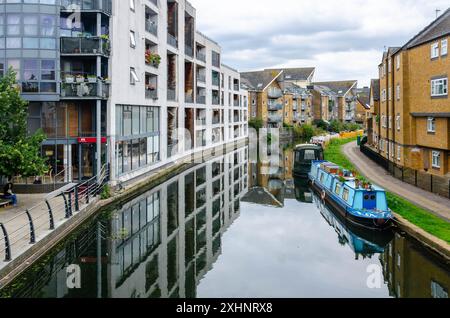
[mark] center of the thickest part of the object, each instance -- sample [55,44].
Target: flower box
[80,79]
[70,79]
[92,79]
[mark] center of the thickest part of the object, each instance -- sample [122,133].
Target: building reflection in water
[170,236]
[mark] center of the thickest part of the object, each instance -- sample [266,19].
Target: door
[370,200]
[87,161]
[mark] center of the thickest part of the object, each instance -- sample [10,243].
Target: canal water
[230,228]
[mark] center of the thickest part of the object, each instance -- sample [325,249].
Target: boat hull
[368,223]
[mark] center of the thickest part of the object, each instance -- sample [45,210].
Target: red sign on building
[90,140]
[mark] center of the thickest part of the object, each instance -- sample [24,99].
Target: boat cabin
[304,155]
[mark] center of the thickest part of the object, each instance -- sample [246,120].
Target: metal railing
[201,100]
[151,94]
[85,45]
[27,228]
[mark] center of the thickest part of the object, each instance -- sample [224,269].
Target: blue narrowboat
[362,204]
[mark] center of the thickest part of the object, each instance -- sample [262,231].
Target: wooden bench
[4,203]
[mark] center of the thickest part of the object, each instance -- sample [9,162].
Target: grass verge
[414,214]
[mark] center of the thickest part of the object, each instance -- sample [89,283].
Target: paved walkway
[437,205]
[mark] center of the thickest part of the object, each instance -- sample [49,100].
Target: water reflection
[176,240]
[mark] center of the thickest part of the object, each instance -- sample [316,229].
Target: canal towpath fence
[26,228]
[425,181]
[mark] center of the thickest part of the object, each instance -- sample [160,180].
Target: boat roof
[307,146]
[351,183]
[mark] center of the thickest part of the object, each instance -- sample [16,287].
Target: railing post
[50,215]
[32,233]
[415,178]
[77,201]
[87,192]
[70,203]
[66,205]
[7,245]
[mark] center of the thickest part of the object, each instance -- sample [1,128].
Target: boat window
[310,155]
[346,194]
[322,177]
[337,190]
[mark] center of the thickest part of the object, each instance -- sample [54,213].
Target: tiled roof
[296,74]
[338,87]
[438,28]
[364,97]
[258,80]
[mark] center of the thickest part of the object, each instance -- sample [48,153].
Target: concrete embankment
[132,188]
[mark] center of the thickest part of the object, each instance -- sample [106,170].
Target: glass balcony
[85,46]
[151,27]
[188,50]
[201,100]
[201,78]
[275,118]
[274,106]
[172,41]
[201,56]
[104,6]
[85,90]
[171,94]
[274,93]
[151,94]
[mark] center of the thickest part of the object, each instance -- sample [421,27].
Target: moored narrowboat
[304,155]
[361,203]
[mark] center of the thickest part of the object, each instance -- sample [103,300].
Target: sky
[343,39]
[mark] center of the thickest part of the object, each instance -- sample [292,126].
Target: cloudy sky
[344,39]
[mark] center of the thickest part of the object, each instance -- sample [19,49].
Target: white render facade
[117,82]
[187,97]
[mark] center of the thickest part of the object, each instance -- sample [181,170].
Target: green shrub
[106,193]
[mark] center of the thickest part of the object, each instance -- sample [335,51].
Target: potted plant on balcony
[69,78]
[153,59]
[79,78]
[92,78]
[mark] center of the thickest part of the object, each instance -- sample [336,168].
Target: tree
[19,153]
[256,123]
[336,126]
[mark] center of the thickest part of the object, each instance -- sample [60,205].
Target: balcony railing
[172,41]
[201,100]
[215,101]
[201,56]
[201,121]
[275,118]
[215,81]
[188,50]
[151,27]
[216,62]
[85,46]
[236,103]
[85,90]
[201,78]
[216,120]
[236,119]
[171,94]
[188,98]
[236,87]
[151,94]
[274,107]
[274,93]
[87,5]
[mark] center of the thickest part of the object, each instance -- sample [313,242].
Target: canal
[230,228]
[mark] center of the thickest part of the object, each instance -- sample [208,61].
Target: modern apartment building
[279,96]
[342,100]
[129,83]
[414,106]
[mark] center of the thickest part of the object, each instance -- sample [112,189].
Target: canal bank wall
[120,194]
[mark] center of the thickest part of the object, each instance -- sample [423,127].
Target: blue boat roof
[350,183]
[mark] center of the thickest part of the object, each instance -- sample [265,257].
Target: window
[390,122]
[436,159]
[398,92]
[444,47]
[431,127]
[389,65]
[337,190]
[399,153]
[132,5]
[390,93]
[435,50]
[398,62]
[132,39]
[133,76]
[346,194]
[397,120]
[439,87]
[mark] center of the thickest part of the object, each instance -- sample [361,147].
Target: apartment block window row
[439,49]
[439,87]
